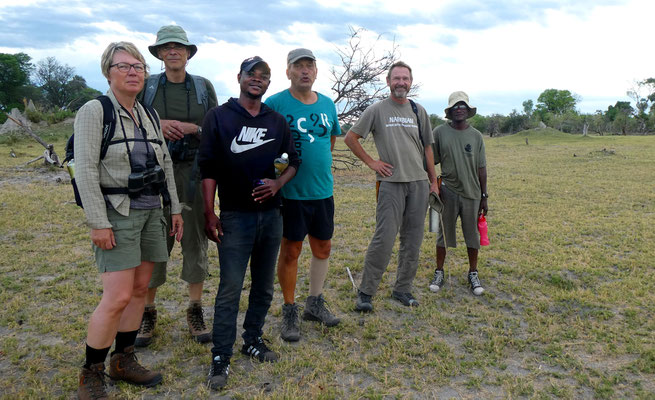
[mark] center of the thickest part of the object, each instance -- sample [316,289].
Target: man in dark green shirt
[181,100]
[459,149]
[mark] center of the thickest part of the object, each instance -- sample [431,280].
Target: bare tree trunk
[49,156]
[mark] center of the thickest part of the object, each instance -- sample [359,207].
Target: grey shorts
[141,236]
[467,210]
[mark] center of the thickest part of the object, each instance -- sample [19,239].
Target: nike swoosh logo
[240,148]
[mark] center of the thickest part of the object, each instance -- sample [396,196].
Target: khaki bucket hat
[435,202]
[174,34]
[455,98]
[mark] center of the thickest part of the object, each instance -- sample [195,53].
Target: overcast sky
[500,52]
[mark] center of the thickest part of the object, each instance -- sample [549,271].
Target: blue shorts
[313,217]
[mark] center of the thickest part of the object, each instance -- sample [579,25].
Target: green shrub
[34,116]
[59,116]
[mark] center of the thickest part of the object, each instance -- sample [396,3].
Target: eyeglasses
[125,67]
[459,107]
[172,46]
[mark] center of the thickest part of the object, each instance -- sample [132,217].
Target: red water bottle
[482,227]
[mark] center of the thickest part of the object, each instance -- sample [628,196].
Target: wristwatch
[485,195]
[199,130]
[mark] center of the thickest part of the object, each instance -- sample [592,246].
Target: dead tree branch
[49,156]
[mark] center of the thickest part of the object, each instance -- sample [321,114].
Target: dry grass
[568,312]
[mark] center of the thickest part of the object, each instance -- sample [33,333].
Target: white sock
[317,273]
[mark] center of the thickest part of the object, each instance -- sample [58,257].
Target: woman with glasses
[122,188]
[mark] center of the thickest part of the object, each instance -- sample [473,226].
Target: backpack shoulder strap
[151,86]
[201,91]
[418,119]
[108,123]
[152,116]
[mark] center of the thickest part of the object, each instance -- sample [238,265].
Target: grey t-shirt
[397,139]
[460,154]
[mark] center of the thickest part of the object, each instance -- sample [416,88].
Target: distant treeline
[556,109]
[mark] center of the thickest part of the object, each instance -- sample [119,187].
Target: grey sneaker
[437,281]
[363,303]
[316,310]
[476,286]
[259,350]
[290,330]
[406,298]
[218,372]
[148,322]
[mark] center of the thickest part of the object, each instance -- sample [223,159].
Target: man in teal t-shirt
[307,202]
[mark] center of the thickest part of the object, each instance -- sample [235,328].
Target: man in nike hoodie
[241,138]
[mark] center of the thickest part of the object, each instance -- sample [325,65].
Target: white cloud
[594,51]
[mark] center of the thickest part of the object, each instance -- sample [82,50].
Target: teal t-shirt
[312,126]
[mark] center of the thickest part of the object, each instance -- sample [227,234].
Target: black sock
[95,356]
[123,340]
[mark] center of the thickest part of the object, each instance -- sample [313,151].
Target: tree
[619,115]
[528,107]
[359,82]
[80,93]
[435,120]
[514,122]
[53,79]
[556,101]
[643,93]
[15,72]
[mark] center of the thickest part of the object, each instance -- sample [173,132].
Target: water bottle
[70,166]
[281,163]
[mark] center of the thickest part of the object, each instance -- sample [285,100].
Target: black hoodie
[237,150]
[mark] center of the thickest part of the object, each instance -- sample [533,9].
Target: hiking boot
[144,337]
[125,367]
[196,322]
[437,281]
[316,310]
[92,383]
[220,368]
[363,303]
[259,350]
[290,330]
[406,298]
[476,286]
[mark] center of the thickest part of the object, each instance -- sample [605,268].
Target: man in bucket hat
[459,149]
[181,100]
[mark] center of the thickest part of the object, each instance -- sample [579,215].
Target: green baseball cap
[174,34]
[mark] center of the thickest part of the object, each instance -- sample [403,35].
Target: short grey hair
[129,48]
[402,65]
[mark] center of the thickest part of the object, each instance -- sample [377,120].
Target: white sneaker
[437,281]
[476,286]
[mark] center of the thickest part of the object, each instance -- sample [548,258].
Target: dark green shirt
[175,106]
[460,154]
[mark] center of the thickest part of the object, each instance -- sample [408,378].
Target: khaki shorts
[467,210]
[141,236]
